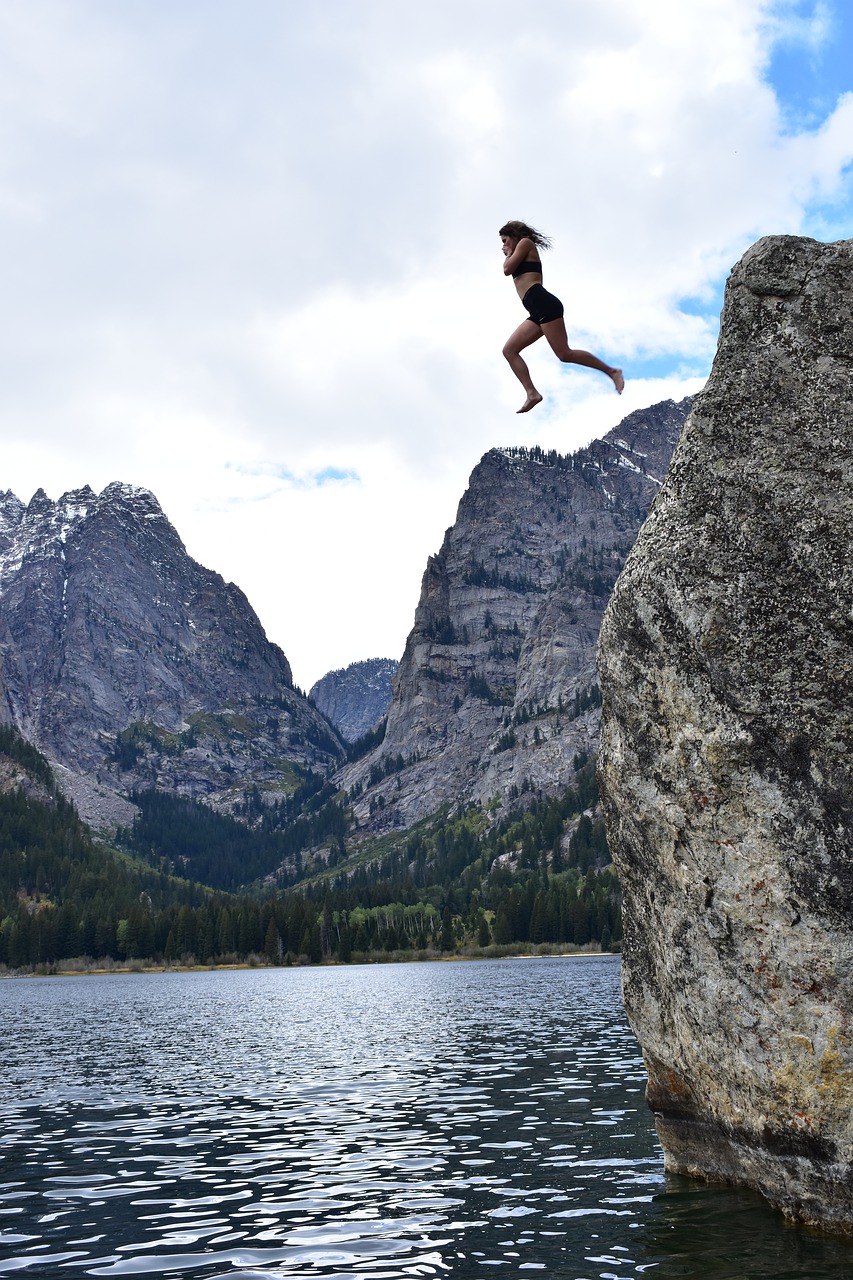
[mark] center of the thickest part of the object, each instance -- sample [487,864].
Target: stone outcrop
[497,694]
[726,757]
[130,665]
[355,697]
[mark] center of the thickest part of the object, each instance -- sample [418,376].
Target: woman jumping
[521,245]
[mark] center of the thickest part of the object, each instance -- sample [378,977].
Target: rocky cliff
[727,749]
[355,697]
[497,690]
[129,664]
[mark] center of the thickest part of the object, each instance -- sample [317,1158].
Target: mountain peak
[117,491]
[11,513]
[39,503]
[497,692]
[128,662]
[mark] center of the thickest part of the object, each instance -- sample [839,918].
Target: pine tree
[272,943]
[448,941]
[484,936]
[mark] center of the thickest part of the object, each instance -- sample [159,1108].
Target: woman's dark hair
[518,230]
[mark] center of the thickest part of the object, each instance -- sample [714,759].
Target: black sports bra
[525,267]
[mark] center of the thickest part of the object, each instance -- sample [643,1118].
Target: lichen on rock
[726,764]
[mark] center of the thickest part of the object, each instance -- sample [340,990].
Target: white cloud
[251,254]
[786,23]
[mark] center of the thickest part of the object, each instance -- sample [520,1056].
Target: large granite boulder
[726,661]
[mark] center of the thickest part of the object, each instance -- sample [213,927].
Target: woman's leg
[555,332]
[526,333]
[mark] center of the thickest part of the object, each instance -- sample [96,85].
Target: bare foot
[533,398]
[618,380]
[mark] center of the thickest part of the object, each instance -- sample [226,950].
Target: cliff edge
[726,763]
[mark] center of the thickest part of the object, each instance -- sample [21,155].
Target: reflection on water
[382,1122]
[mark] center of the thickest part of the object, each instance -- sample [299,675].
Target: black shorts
[542,305]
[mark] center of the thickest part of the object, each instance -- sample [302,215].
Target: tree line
[457,882]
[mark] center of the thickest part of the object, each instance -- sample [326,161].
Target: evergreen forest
[288,882]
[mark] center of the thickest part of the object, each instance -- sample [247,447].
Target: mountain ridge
[129,664]
[496,692]
[469,820]
[135,669]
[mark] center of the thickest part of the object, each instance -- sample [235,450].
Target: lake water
[382,1122]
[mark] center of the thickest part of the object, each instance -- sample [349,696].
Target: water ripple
[382,1122]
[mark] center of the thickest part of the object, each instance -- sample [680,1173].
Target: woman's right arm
[522,251]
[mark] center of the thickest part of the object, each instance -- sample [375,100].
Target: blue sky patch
[308,480]
[811,64]
[333,475]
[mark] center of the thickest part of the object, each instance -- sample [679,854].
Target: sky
[250,254]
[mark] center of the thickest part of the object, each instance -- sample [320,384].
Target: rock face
[355,697]
[497,689]
[129,664]
[726,757]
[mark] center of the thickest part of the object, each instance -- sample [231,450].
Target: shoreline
[135,969]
